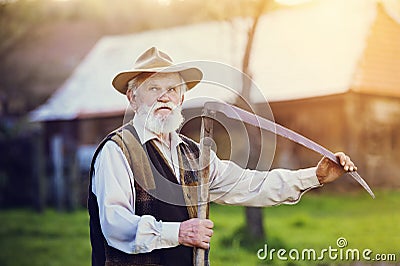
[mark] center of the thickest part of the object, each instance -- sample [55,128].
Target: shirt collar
[145,134]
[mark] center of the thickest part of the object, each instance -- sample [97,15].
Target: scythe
[233,112]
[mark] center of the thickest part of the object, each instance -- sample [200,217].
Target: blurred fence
[18,184]
[28,177]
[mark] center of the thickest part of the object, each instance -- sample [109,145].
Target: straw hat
[154,60]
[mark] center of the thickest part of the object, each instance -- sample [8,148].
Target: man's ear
[131,98]
[183,98]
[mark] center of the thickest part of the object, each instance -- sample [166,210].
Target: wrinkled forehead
[159,79]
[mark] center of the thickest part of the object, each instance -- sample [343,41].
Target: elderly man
[141,212]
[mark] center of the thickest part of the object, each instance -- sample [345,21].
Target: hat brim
[191,75]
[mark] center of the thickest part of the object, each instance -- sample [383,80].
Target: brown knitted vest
[157,194]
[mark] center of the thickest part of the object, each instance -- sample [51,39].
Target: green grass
[51,238]
[316,222]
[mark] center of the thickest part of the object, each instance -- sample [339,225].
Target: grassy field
[51,238]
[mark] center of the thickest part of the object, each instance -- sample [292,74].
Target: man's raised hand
[328,171]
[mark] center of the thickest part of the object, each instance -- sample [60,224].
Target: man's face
[157,101]
[160,89]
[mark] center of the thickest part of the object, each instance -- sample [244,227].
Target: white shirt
[229,184]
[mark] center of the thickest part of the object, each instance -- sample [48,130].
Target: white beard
[160,124]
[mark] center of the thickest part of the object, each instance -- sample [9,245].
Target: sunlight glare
[292,2]
[164,2]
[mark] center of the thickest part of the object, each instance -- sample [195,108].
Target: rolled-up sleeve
[231,184]
[124,230]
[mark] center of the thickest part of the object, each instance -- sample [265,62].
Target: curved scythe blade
[236,113]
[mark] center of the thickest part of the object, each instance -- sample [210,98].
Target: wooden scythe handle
[204,162]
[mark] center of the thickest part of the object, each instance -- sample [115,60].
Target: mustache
[159,105]
[159,123]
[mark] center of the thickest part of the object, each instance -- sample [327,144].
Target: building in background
[328,70]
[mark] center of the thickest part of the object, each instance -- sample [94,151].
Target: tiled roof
[302,52]
[379,68]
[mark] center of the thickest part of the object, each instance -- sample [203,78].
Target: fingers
[346,162]
[328,171]
[196,233]
[206,223]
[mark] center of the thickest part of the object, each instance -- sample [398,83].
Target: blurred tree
[253,9]
[254,216]
[42,41]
